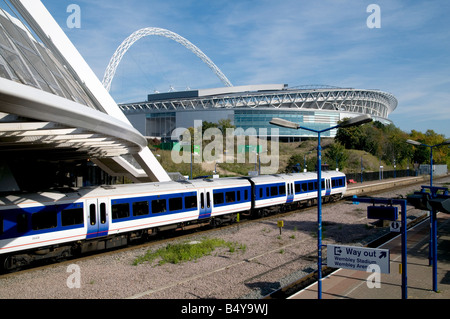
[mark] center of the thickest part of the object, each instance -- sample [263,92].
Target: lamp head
[412,142]
[284,123]
[358,120]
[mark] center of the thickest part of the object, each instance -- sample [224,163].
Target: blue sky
[295,42]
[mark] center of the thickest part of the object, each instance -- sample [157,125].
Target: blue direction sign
[357,258]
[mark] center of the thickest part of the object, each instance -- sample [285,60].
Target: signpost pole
[404,254]
[434,247]
[402,203]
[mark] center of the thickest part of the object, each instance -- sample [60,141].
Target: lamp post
[432,256]
[362,169]
[304,161]
[347,123]
[415,143]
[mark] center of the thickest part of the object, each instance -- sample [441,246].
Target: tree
[336,152]
[349,137]
[223,124]
[421,154]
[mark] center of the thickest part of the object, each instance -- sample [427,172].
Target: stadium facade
[253,106]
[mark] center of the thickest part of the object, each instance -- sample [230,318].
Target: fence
[373,176]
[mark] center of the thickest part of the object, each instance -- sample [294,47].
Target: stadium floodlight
[347,123]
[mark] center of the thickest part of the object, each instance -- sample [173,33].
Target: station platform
[351,284]
[360,189]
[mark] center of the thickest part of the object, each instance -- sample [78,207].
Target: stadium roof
[373,102]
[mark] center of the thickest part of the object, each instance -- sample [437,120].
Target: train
[57,224]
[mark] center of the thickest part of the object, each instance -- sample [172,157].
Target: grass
[182,252]
[286,150]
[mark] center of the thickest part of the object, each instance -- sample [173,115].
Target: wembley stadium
[251,107]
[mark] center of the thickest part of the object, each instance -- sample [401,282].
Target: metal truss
[376,103]
[135,36]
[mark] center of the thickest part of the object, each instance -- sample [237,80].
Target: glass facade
[160,124]
[247,119]
[251,121]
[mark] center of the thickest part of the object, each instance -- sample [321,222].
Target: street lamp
[432,256]
[346,123]
[304,161]
[415,143]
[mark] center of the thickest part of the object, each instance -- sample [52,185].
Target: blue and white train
[60,224]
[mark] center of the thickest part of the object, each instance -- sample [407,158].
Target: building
[253,106]
[55,115]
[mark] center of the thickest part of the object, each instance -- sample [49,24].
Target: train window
[333,183]
[44,220]
[208,200]
[260,193]
[238,196]
[22,223]
[120,210]
[1,225]
[315,186]
[140,208]
[297,188]
[323,184]
[304,187]
[71,217]
[102,213]
[282,190]
[190,202]
[310,186]
[246,194]
[158,206]
[202,200]
[274,191]
[267,191]
[175,203]
[218,198]
[230,197]
[92,214]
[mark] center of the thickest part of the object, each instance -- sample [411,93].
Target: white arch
[123,48]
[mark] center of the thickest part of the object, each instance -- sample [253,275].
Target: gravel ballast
[268,262]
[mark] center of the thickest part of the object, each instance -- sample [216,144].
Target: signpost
[357,258]
[390,213]
[395,227]
[280,224]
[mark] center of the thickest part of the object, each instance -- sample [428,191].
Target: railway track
[257,260]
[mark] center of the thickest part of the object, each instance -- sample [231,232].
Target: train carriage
[57,224]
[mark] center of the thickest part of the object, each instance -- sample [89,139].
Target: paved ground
[352,284]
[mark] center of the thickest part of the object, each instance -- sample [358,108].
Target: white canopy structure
[52,105]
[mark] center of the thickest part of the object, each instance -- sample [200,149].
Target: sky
[402,47]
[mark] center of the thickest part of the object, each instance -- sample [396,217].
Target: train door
[97,217]
[205,203]
[327,186]
[290,192]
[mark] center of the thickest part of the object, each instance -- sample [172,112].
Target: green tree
[223,124]
[336,152]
